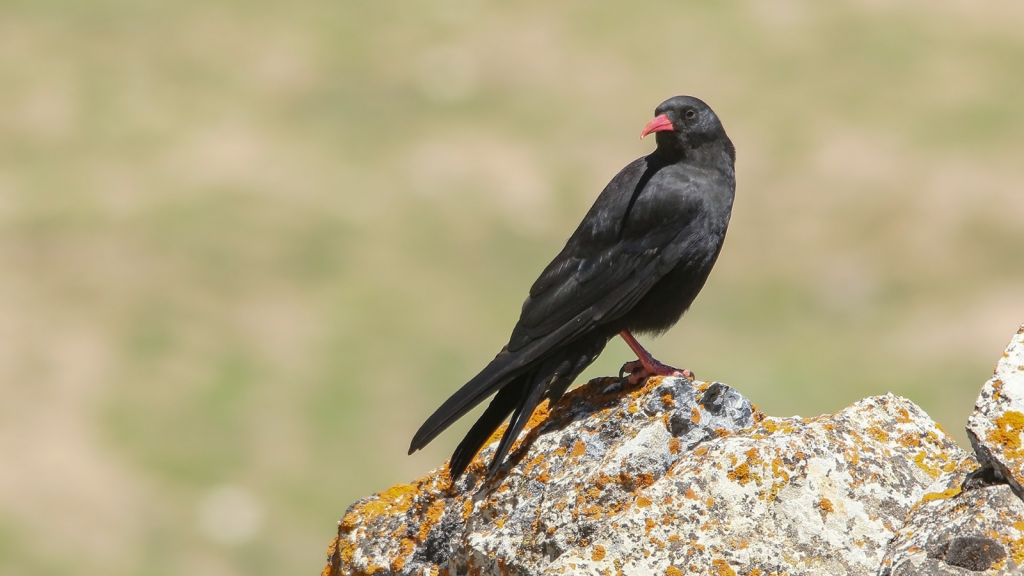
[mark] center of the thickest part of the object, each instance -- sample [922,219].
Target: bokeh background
[247,246]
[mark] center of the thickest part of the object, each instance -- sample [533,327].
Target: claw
[635,371]
[647,366]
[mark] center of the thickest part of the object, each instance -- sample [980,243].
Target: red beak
[659,124]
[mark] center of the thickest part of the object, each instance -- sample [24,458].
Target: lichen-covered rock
[971,521]
[669,478]
[955,531]
[996,428]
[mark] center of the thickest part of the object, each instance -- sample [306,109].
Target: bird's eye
[690,114]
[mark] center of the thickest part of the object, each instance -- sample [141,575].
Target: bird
[634,265]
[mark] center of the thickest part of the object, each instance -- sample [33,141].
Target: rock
[956,531]
[972,521]
[677,477]
[996,426]
[669,478]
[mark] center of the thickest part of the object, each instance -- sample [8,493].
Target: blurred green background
[248,246]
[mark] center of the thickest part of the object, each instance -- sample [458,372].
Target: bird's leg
[646,366]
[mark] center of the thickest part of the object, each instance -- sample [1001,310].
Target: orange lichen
[333,557]
[668,400]
[919,459]
[649,524]
[578,449]
[778,469]
[855,458]
[941,495]
[690,494]
[540,414]
[740,474]
[902,415]
[432,517]
[1017,551]
[695,416]
[722,568]
[536,461]
[772,426]
[826,505]
[598,554]
[673,571]
[910,440]
[643,501]
[1007,433]
[394,500]
[773,493]
[644,480]
[755,572]
[878,434]
[405,549]
[674,445]
[497,434]
[349,522]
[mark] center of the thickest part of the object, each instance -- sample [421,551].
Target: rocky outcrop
[972,522]
[677,477]
[998,419]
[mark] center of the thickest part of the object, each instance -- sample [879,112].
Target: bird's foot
[639,371]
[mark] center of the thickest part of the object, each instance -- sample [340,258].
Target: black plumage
[634,265]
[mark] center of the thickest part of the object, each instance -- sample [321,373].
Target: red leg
[646,366]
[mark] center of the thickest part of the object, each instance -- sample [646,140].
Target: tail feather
[503,404]
[493,377]
[505,367]
[520,398]
[520,385]
[522,414]
[550,380]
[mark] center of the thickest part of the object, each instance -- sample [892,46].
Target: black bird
[634,265]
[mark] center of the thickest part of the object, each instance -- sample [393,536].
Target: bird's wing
[601,285]
[606,267]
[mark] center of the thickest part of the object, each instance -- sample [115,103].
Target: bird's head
[685,123]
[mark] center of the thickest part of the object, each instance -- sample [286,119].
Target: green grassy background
[247,246]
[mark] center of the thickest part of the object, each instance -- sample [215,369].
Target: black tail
[506,367]
[501,406]
[520,397]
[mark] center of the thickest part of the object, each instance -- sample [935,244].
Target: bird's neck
[719,153]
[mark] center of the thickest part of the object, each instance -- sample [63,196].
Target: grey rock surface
[971,521]
[669,478]
[956,531]
[677,477]
[997,424]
